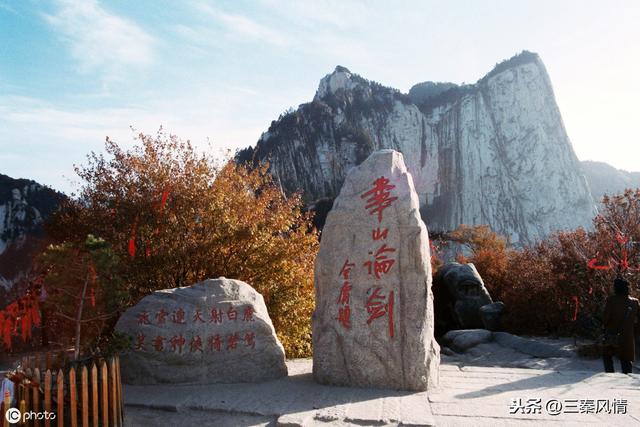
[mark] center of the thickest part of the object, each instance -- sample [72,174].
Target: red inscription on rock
[177,342]
[161,316]
[215,342]
[380,264]
[232,341]
[377,198]
[216,315]
[158,343]
[344,312]
[143,318]
[377,307]
[197,316]
[195,344]
[250,339]
[247,315]
[178,316]
[232,313]
[379,234]
[140,341]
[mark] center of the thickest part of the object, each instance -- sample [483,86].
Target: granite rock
[215,331]
[373,323]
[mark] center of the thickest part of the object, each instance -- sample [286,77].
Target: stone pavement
[467,396]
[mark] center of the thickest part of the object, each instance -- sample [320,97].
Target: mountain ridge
[477,152]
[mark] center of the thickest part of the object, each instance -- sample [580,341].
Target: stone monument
[216,331]
[373,322]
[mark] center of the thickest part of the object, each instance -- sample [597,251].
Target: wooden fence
[89,394]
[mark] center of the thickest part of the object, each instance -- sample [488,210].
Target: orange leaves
[176,217]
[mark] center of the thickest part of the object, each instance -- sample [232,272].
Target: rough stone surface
[459,293]
[467,396]
[490,315]
[464,339]
[373,327]
[531,347]
[216,331]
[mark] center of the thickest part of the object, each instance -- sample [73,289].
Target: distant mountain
[605,179]
[24,205]
[495,152]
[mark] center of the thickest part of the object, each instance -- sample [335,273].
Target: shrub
[175,218]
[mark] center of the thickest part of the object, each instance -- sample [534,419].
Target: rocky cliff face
[24,204]
[495,152]
[605,179]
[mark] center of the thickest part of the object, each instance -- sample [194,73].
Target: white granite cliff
[495,152]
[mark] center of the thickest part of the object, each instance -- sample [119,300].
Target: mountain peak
[516,60]
[340,78]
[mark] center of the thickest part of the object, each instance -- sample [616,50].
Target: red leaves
[18,319]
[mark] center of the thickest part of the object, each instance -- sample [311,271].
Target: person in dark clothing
[620,315]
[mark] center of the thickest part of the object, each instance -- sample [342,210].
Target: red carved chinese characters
[140,341]
[161,316]
[158,343]
[377,198]
[378,307]
[178,316]
[250,339]
[381,264]
[215,342]
[232,341]
[378,234]
[177,342]
[344,312]
[197,316]
[195,344]
[216,315]
[143,318]
[247,315]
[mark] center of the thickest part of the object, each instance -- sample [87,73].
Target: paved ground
[467,396]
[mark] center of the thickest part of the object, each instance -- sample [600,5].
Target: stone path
[468,395]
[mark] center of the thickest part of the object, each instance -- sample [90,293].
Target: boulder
[490,315]
[373,322]
[529,346]
[216,331]
[463,339]
[459,294]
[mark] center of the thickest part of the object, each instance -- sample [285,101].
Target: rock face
[373,323]
[24,205]
[216,331]
[459,295]
[495,152]
[605,179]
[490,315]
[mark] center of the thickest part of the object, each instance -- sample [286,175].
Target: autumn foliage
[559,285]
[84,294]
[174,217]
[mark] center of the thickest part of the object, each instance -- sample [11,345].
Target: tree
[84,292]
[487,250]
[617,236]
[174,218]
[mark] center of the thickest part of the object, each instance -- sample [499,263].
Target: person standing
[621,313]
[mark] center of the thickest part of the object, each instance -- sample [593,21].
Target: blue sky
[217,73]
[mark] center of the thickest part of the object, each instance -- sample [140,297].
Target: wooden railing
[87,394]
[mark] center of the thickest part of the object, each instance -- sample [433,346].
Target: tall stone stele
[373,323]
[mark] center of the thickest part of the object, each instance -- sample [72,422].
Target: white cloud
[101,41]
[245,28]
